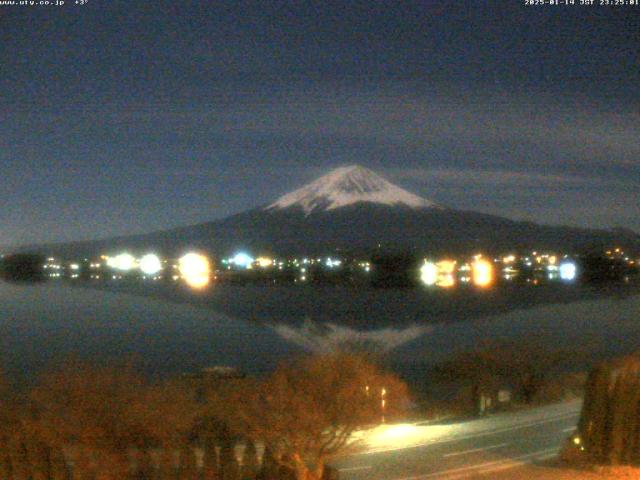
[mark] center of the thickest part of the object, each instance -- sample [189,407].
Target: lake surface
[45,323]
[48,322]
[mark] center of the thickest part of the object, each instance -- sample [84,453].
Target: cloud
[544,132]
[586,201]
[467,178]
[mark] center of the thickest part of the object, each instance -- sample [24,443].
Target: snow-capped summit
[346,186]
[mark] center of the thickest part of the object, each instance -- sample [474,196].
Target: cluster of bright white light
[150,264]
[195,269]
[331,262]
[242,259]
[568,271]
[441,274]
[429,273]
[123,262]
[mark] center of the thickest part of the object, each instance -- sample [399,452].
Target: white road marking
[570,429]
[355,469]
[473,450]
[463,472]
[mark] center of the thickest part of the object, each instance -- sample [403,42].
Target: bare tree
[527,366]
[306,412]
[105,419]
[108,423]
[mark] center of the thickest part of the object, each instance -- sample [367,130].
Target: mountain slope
[354,210]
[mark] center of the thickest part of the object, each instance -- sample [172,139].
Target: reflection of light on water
[327,337]
[195,270]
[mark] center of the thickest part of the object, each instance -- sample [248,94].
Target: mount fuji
[356,211]
[348,186]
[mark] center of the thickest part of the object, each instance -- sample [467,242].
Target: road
[461,450]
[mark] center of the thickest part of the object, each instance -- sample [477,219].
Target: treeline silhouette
[22,267]
[400,270]
[85,422]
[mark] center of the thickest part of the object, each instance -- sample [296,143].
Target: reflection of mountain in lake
[41,325]
[325,337]
[364,309]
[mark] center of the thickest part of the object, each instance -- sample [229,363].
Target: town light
[509,259]
[124,262]
[264,262]
[482,273]
[446,270]
[429,273]
[150,264]
[332,262]
[242,260]
[568,271]
[195,269]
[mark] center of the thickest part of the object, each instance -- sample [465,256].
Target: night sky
[124,117]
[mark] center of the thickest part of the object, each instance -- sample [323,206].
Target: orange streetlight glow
[264,262]
[446,271]
[482,273]
[195,269]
